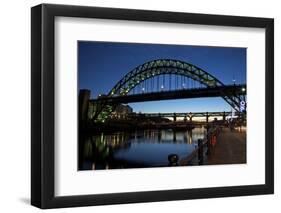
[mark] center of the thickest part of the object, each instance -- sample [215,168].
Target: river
[139,149]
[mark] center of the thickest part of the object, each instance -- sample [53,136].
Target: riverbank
[128,126]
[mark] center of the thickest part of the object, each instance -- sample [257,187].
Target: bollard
[200,151]
[173,159]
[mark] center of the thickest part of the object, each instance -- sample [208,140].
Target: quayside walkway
[230,148]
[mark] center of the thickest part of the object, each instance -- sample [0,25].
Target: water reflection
[139,149]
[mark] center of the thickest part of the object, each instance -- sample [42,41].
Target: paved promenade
[229,149]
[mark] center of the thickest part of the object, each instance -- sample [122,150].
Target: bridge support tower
[84,97]
[175,117]
[224,116]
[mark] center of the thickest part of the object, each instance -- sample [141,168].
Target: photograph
[133,105]
[143,105]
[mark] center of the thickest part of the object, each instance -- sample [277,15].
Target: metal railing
[209,140]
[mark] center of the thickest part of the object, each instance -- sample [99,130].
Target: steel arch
[153,68]
[167,66]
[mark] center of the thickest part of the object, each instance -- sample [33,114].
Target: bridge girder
[174,94]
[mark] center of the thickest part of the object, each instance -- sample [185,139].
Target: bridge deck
[229,149]
[226,90]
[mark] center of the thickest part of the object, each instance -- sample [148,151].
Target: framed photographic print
[140,106]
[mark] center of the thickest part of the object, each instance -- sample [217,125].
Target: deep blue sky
[102,64]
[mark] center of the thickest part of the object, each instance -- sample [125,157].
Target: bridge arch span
[157,67]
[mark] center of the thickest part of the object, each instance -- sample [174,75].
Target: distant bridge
[184,115]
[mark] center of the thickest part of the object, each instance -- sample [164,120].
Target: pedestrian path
[230,148]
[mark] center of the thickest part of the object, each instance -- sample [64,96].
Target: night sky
[102,64]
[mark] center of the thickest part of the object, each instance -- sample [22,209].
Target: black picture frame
[43,102]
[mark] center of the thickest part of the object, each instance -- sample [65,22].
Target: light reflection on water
[140,149]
